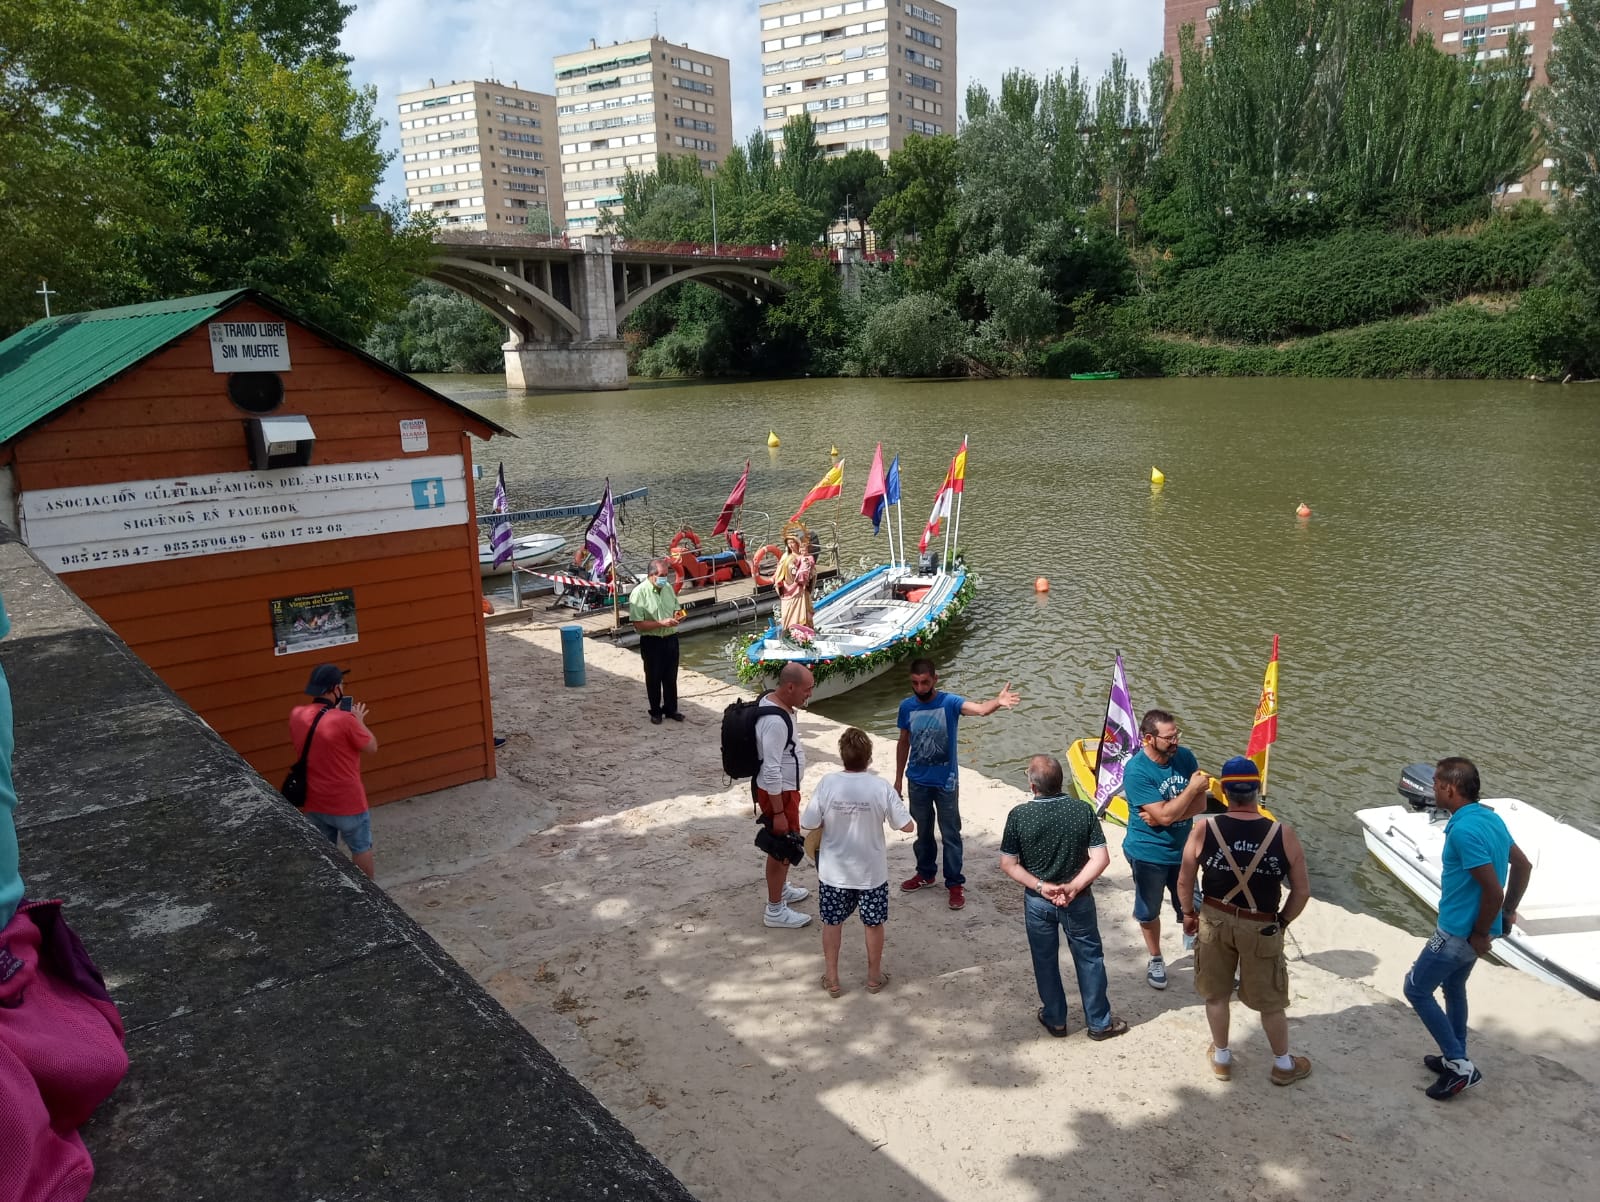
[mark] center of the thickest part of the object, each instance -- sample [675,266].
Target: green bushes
[1461,342]
[1350,279]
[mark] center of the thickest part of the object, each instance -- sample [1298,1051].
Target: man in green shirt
[1054,848]
[653,608]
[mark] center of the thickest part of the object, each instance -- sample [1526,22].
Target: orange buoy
[1304,511]
[1041,585]
[488,606]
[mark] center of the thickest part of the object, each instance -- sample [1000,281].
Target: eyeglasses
[1172,738]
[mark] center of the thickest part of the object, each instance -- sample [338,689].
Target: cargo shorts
[1228,942]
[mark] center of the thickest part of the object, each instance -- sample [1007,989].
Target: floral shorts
[837,904]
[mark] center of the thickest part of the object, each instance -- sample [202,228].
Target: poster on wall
[313,621]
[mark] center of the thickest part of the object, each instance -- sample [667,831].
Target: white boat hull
[1558,937]
[871,614]
[530,551]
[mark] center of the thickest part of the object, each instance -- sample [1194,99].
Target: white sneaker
[785,917]
[794,893]
[1156,973]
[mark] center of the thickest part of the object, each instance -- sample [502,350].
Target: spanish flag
[830,485]
[958,470]
[1265,731]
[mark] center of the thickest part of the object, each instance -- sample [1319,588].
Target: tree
[918,216]
[439,330]
[917,335]
[856,182]
[292,31]
[1570,110]
[803,168]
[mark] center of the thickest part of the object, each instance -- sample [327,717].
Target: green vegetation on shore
[1315,200]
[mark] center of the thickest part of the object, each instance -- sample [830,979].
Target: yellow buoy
[834,451]
[1157,476]
[772,438]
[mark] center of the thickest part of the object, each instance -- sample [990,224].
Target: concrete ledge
[599,366]
[293,1034]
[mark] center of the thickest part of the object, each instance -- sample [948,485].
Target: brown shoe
[1222,1072]
[1288,1076]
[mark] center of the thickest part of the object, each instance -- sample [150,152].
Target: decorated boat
[889,614]
[528,551]
[1557,934]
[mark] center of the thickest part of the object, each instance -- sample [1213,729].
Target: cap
[1240,775]
[324,678]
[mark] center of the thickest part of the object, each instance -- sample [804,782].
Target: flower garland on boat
[753,671]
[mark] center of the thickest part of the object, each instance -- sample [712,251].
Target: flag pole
[956,532]
[900,520]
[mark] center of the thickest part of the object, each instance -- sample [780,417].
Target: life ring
[679,572]
[685,535]
[756,560]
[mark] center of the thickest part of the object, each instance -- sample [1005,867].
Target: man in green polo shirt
[1054,848]
[653,607]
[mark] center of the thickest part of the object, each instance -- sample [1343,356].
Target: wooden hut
[242,496]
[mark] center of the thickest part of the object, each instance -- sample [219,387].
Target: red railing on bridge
[724,250]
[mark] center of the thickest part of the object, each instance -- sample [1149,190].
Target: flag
[1118,741]
[941,510]
[873,503]
[830,485]
[958,469]
[1265,731]
[600,539]
[735,499]
[500,535]
[891,483]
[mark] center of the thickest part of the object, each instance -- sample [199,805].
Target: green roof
[53,362]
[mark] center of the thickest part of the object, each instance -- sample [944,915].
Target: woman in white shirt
[853,808]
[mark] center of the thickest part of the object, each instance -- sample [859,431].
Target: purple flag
[500,536]
[1118,741]
[600,539]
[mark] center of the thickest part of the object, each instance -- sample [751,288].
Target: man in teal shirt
[10,880]
[653,609]
[1483,877]
[1165,790]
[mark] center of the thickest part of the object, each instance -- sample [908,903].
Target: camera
[790,847]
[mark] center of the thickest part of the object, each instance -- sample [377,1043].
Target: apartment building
[481,155]
[619,106]
[869,72]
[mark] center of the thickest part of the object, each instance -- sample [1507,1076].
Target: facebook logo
[427,493]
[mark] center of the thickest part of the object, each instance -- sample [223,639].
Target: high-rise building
[869,72]
[1480,28]
[480,155]
[619,106]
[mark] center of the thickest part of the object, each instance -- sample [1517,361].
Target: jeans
[660,655]
[926,801]
[1150,881]
[1046,921]
[1446,961]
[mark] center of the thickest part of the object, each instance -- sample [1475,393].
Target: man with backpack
[776,786]
[330,735]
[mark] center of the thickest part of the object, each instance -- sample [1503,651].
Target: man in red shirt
[336,800]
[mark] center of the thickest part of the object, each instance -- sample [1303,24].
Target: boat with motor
[528,551]
[886,615]
[1557,935]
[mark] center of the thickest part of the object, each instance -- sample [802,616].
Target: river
[1440,599]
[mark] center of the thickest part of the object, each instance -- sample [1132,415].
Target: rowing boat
[528,551]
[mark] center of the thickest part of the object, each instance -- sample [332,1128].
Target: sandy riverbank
[604,888]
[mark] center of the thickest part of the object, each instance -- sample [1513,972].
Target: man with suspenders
[1242,859]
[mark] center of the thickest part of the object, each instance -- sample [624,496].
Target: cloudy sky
[400,44]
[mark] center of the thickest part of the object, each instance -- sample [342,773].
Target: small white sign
[413,434]
[249,346]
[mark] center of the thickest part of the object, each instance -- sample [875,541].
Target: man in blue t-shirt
[927,758]
[1165,790]
[1484,876]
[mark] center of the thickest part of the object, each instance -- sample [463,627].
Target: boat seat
[886,603]
[1559,924]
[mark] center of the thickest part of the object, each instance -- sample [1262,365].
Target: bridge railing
[773,252]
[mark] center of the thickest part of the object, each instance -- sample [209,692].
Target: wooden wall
[204,623]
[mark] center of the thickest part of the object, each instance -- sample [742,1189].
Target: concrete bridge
[563,301]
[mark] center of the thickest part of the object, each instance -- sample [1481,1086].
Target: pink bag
[61,1055]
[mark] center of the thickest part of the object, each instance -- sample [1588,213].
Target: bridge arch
[723,277]
[505,295]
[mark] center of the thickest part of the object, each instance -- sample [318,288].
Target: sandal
[883,979]
[832,987]
[1059,1032]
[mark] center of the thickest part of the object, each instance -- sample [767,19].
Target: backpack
[741,754]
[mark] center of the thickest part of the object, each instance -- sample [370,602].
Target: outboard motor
[1416,786]
[927,563]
